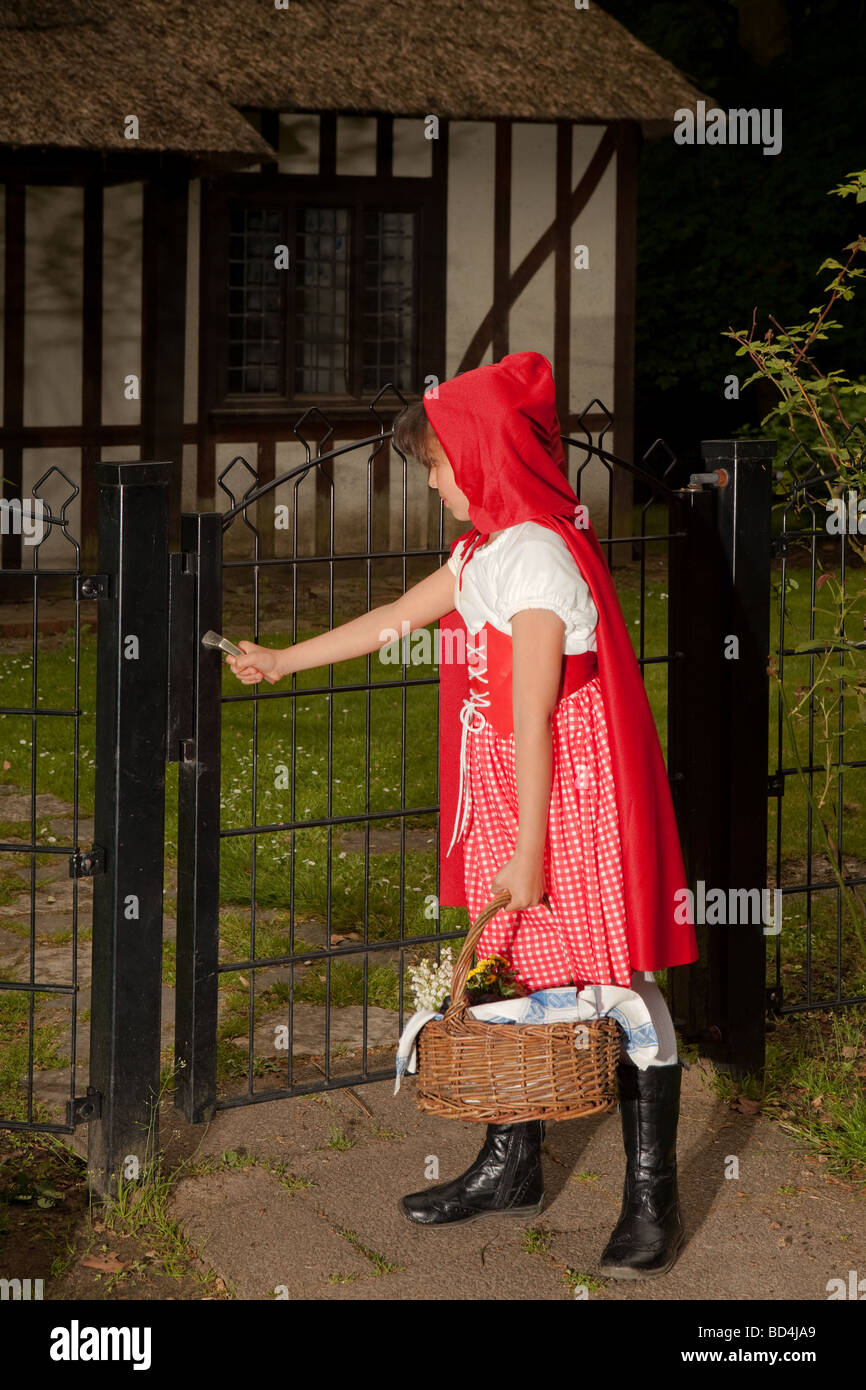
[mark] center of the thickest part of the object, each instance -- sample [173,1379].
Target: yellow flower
[487,967]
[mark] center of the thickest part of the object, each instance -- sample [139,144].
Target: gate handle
[214,639]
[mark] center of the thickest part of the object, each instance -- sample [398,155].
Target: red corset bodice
[489,661]
[490,680]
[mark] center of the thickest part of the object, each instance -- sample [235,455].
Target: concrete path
[306,1207]
[780,1231]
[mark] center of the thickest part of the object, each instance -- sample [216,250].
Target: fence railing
[159,700]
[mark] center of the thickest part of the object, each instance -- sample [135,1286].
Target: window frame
[358,193]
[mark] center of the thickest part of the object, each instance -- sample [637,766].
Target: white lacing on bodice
[472,720]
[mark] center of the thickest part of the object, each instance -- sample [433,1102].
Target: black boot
[505,1179]
[649,1232]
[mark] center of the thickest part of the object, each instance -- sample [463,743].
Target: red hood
[499,428]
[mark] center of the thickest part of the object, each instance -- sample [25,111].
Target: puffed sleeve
[539,571]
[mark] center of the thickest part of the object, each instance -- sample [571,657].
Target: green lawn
[310,875]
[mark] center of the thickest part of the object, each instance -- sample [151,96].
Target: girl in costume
[546,715]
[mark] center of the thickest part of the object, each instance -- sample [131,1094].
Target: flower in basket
[431,982]
[491,979]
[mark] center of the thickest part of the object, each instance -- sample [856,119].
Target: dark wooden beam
[205,455]
[270,131]
[627,142]
[384,146]
[433,268]
[13,359]
[328,143]
[562,272]
[164,325]
[501,238]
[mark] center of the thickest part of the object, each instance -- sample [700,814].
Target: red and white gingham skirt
[584,940]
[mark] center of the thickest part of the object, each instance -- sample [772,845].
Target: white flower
[431,982]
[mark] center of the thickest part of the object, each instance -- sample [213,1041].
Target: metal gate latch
[83,1109]
[84,863]
[718,478]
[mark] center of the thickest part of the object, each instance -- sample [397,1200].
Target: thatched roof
[469,59]
[70,70]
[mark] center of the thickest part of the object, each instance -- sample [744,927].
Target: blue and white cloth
[562,1005]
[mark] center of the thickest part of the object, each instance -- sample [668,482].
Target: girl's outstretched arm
[537,637]
[428,600]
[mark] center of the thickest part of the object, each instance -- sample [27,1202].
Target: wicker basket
[508,1073]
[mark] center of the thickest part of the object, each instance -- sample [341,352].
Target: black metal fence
[307,817]
[41,833]
[817,782]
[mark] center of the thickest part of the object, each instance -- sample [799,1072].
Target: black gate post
[198,817]
[737,950]
[695,753]
[128,822]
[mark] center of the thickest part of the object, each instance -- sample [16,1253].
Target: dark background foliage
[727,230]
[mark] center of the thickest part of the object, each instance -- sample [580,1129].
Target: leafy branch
[808,395]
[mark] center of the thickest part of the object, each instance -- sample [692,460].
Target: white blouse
[525,566]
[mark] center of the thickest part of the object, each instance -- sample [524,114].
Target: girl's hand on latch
[523,877]
[256,664]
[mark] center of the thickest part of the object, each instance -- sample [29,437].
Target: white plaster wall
[593,291]
[356,145]
[53,292]
[188,498]
[190,375]
[469,292]
[593,298]
[121,311]
[533,208]
[53,338]
[412,151]
[299,143]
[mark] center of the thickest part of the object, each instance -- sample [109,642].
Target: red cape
[499,428]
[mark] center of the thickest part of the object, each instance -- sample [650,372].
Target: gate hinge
[83,1109]
[93,586]
[779,546]
[774,999]
[84,863]
[776,784]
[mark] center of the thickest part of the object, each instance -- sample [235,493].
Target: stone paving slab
[257,1235]
[745,1238]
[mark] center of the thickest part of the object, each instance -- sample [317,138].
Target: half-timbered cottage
[218,215]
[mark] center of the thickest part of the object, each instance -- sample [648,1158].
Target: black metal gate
[97,713]
[41,826]
[308,840]
[307,824]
